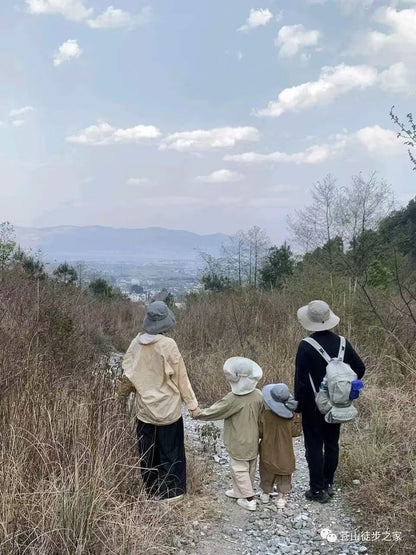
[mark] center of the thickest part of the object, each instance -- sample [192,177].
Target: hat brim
[159,326]
[244,386]
[309,325]
[275,406]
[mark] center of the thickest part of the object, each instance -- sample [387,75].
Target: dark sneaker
[330,490]
[320,496]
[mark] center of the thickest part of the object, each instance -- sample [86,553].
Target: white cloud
[137,180]
[398,43]
[220,176]
[21,111]
[292,39]
[104,134]
[375,140]
[396,78]
[312,155]
[256,18]
[208,139]
[113,18]
[332,83]
[73,10]
[18,122]
[68,50]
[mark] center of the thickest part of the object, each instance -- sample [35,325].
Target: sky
[209,116]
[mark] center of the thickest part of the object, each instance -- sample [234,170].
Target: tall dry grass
[379,448]
[69,468]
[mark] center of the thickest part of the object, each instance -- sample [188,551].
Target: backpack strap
[319,348]
[313,385]
[342,346]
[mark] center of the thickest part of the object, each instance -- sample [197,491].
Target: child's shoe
[247,505]
[264,498]
[281,503]
[230,493]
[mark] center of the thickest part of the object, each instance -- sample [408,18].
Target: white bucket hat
[243,374]
[317,316]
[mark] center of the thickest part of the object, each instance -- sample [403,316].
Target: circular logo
[325,532]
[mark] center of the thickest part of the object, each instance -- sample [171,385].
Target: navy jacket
[309,361]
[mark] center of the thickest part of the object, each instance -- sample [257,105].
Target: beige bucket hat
[243,374]
[317,316]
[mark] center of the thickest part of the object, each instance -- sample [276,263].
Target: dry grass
[380,448]
[69,476]
[69,470]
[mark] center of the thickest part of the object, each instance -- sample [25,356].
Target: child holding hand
[240,409]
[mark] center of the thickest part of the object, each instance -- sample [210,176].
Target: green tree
[30,264]
[279,263]
[399,230]
[65,274]
[101,288]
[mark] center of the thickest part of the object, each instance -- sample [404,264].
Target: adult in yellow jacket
[155,371]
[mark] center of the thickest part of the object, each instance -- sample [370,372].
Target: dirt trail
[297,529]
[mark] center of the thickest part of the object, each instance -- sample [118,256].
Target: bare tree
[7,244]
[259,243]
[407,132]
[235,254]
[314,225]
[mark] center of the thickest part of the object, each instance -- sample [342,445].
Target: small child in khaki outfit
[277,458]
[240,411]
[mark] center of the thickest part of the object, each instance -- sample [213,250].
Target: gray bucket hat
[159,318]
[317,316]
[279,399]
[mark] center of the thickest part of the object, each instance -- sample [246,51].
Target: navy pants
[162,458]
[321,448]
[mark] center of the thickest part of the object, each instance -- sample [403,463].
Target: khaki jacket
[276,446]
[154,369]
[241,415]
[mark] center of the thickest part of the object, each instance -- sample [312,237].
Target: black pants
[163,463]
[321,448]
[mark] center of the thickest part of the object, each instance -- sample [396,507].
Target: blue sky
[207,116]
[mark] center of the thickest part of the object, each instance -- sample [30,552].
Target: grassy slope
[69,477]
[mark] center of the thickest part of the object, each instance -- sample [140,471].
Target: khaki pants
[243,473]
[268,480]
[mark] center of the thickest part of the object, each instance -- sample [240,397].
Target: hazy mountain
[108,244]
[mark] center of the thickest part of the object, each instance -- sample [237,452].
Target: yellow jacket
[154,369]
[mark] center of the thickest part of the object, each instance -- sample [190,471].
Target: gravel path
[295,529]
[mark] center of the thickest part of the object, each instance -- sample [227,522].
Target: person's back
[276,445]
[321,437]
[155,367]
[310,362]
[277,457]
[241,435]
[240,409]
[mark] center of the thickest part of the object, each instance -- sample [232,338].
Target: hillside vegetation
[69,470]
[69,476]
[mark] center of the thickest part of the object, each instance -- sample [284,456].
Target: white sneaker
[230,493]
[247,505]
[264,498]
[281,503]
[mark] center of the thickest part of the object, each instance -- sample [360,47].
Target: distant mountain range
[115,245]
